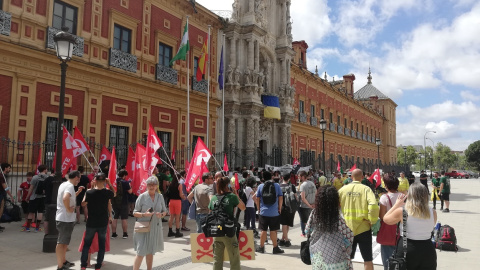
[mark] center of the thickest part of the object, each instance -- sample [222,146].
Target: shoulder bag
[395,262]
[387,235]
[144,226]
[305,251]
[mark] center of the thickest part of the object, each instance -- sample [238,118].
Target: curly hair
[327,204]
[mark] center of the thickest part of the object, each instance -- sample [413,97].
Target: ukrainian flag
[272,109]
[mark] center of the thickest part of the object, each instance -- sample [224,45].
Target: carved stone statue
[237,76]
[289,27]
[261,78]
[255,75]
[230,74]
[236,11]
[246,76]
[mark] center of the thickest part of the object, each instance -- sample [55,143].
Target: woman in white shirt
[420,222]
[250,210]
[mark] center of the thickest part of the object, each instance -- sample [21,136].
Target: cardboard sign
[202,247]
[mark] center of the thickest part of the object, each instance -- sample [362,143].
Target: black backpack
[290,199]
[243,195]
[40,186]
[15,213]
[446,239]
[269,194]
[117,200]
[217,223]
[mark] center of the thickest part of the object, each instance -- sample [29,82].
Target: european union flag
[272,109]
[220,72]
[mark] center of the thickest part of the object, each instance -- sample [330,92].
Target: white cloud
[216,4]
[468,95]
[310,20]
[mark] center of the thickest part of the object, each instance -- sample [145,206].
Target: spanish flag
[202,62]
[272,109]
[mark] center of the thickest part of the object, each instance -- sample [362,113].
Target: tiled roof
[367,91]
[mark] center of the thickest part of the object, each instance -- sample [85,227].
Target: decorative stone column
[251,54]
[233,52]
[250,144]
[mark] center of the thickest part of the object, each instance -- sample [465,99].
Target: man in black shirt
[424,179]
[82,185]
[120,204]
[98,201]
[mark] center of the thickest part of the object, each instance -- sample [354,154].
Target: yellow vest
[359,207]
[337,183]
[403,184]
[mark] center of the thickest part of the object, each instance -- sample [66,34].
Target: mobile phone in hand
[150,210]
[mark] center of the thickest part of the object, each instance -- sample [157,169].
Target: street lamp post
[323,127]
[405,150]
[378,142]
[64,43]
[425,148]
[433,148]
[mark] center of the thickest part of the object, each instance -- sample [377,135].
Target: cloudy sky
[424,54]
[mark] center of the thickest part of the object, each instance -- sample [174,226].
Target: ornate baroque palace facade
[120,79]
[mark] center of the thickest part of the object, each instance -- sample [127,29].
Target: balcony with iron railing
[340,129]
[123,60]
[77,48]
[5,23]
[199,86]
[302,118]
[359,135]
[364,137]
[166,74]
[354,134]
[347,132]
[332,127]
[313,121]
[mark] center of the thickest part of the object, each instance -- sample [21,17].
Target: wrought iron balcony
[347,132]
[123,60]
[313,121]
[201,86]
[5,23]
[369,139]
[166,74]
[332,127]
[359,135]
[340,129]
[364,137]
[302,118]
[77,48]
[354,134]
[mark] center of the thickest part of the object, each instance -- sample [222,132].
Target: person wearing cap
[424,179]
[322,180]
[337,182]
[403,183]
[347,180]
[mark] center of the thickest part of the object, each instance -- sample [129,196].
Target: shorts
[286,218]
[364,241]
[25,207]
[120,212]
[79,200]
[445,197]
[37,205]
[65,230]
[264,223]
[175,207]
[185,207]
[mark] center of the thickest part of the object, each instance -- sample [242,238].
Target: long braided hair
[327,204]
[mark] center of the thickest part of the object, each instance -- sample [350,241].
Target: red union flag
[204,170]
[200,154]
[173,154]
[377,177]
[112,170]
[237,183]
[139,184]
[68,148]
[153,143]
[82,144]
[104,155]
[39,160]
[295,162]
[130,166]
[225,163]
[338,166]
[353,167]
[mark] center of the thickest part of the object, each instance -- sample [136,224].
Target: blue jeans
[387,252]
[198,219]
[87,242]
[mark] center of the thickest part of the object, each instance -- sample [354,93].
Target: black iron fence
[23,157]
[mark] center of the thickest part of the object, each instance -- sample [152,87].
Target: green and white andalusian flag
[184,47]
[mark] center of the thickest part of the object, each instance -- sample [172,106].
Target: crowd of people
[336,214]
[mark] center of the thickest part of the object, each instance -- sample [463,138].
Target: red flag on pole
[353,167]
[139,181]
[39,160]
[157,157]
[153,143]
[130,166]
[112,170]
[82,144]
[173,154]
[338,166]
[201,153]
[68,148]
[376,175]
[204,170]
[295,162]
[187,166]
[237,183]
[104,155]
[202,62]
[225,163]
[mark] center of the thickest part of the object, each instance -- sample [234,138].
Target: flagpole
[221,168]
[94,157]
[188,101]
[87,161]
[223,97]
[208,88]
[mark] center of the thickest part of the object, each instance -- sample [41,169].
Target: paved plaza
[21,250]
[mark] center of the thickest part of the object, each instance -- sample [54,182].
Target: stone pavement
[21,250]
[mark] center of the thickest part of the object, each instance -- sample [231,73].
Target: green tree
[443,157]
[472,154]
[411,155]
